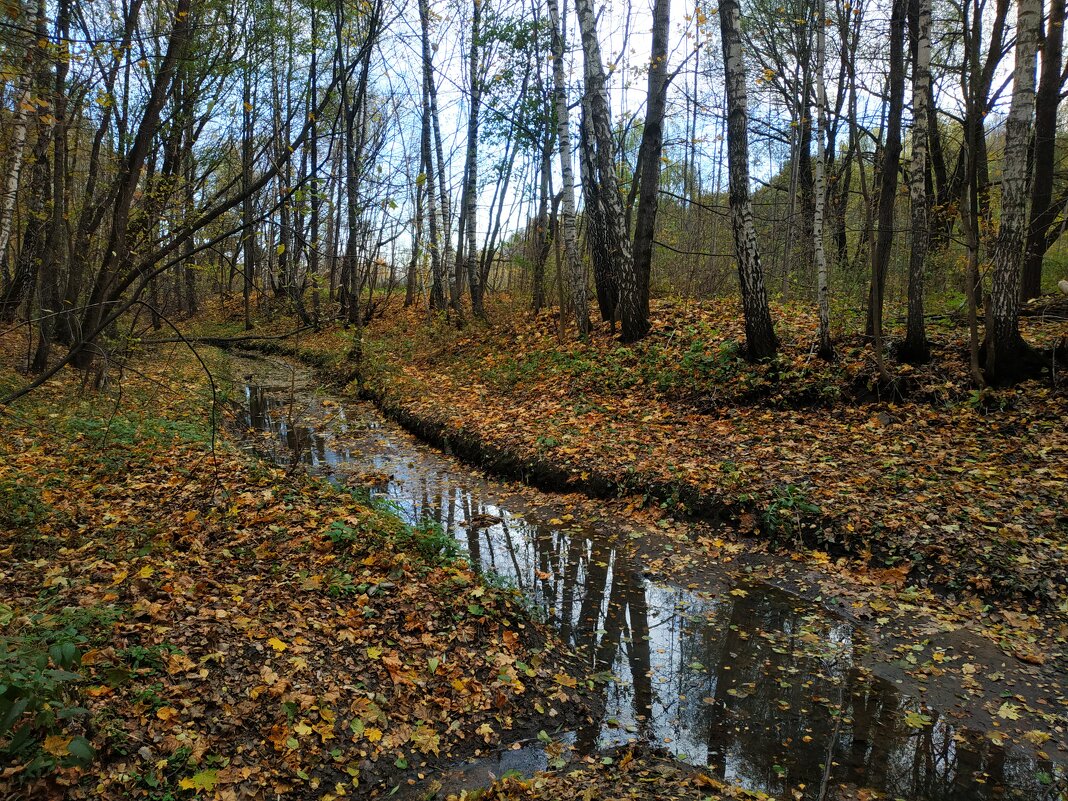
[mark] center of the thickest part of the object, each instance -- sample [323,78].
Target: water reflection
[762,688]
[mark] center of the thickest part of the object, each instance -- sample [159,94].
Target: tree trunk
[649,152]
[825,349]
[55,253]
[18,126]
[915,347]
[1043,210]
[470,194]
[888,169]
[437,268]
[759,332]
[604,276]
[576,275]
[1006,352]
[634,324]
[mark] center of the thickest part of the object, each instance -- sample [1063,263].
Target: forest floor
[179,619]
[932,485]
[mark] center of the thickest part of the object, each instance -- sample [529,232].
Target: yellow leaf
[166,712]
[373,734]
[277,644]
[564,680]
[1009,711]
[739,592]
[56,744]
[145,572]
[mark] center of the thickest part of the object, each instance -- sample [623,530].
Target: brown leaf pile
[263,634]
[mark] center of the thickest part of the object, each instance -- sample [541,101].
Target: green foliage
[39,675]
[430,540]
[129,431]
[784,515]
[21,507]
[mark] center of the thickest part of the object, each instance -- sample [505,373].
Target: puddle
[765,689]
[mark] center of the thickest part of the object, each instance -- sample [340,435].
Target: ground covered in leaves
[964,488]
[177,619]
[959,488]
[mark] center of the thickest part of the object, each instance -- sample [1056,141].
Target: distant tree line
[327,154]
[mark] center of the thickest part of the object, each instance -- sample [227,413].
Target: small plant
[783,516]
[430,540]
[341,534]
[22,507]
[339,583]
[38,690]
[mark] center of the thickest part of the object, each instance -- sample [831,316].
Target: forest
[483,399]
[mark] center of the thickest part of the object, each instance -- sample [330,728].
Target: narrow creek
[768,690]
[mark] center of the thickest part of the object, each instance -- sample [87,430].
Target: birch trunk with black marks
[759,331]
[825,349]
[604,277]
[1007,355]
[18,127]
[634,325]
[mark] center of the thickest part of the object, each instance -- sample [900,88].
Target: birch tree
[20,121]
[826,350]
[1043,230]
[759,331]
[634,325]
[1007,355]
[575,272]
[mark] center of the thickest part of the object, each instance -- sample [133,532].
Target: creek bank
[785,509]
[351,442]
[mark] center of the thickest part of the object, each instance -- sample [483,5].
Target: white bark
[569,238]
[759,332]
[1003,338]
[20,122]
[628,310]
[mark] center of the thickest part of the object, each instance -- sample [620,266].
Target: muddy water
[767,690]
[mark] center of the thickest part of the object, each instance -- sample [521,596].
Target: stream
[766,689]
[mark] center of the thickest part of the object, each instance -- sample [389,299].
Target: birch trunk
[915,346]
[634,324]
[19,124]
[759,331]
[1004,345]
[568,235]
[826,350]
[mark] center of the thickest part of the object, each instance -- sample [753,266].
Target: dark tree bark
[915,347]
[888,170]
[649,153]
